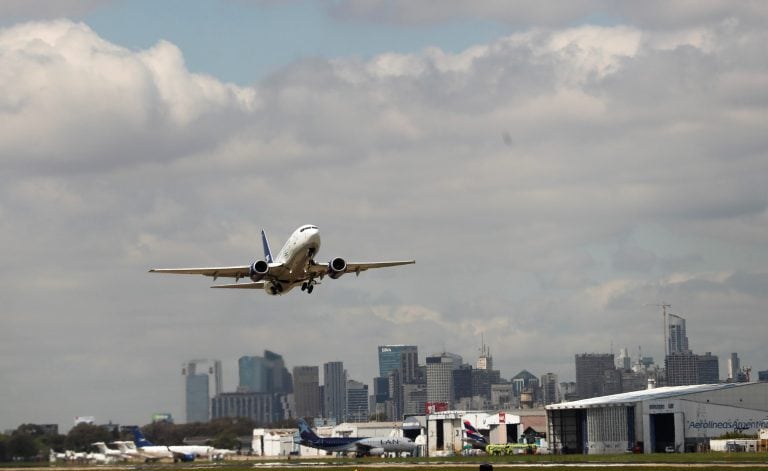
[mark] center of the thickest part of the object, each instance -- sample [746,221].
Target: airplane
[128,449]
[293,266]
[359,445]
[473,437]
[109,453]
[151,452]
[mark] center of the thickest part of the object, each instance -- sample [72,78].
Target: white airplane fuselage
[297,253]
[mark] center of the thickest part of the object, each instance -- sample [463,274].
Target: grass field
[626,462]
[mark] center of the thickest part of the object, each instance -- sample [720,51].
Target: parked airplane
[128,449]
[473,437]
[358,445]
[293,266]
[109,453]
[151,452]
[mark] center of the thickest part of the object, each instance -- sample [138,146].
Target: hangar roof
[630,398]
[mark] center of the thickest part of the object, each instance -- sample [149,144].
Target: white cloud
[550,184]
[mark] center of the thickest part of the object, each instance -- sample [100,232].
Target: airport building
[673,418]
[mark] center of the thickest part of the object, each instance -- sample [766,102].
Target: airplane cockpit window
[307,227]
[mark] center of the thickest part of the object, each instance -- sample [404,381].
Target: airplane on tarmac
[473,437]
[128,449]
[109,453]
[294,265]
[359,445]
[151,452]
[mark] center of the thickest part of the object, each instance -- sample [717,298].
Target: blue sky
[242,42]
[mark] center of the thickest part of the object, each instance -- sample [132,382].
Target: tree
[82,436]
[22,445]
[4,455]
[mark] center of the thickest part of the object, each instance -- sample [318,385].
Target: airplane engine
[376,451]
[258,270]
[336,267]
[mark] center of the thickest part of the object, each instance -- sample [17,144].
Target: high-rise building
[202,379]
[440,377]
[415,398]
[395,382]
[549,388]
[252,374]
[708,367]
[462,382]
[734,367]
[682,368]
[306,391]
[266,374]
[485,360]
[677,340]
[357,401]
[380,389]
[402,357]
[590,373]
[335,391]
[262,408]
[623,361]
[689,368]
[522,381]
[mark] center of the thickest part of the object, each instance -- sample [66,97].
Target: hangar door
[566,430]
[662,431]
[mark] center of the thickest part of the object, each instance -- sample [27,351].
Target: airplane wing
[249,285]
[215,272]
[357,267]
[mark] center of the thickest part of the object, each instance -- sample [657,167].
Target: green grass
[627,462]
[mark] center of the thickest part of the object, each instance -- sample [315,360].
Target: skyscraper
[678,340]
[335,391]
[440,377]
[357,401]
[266,374]
[623,361]
[682,368]
[734,367]
[549,388]
[201,378]
[306,391]
[590,373]
[708,366]
[402,357]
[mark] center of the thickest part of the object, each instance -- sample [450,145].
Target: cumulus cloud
[550,184]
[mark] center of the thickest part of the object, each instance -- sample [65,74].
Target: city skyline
[557,174]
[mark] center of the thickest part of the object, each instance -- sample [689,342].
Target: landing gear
[276,288]
[308,286]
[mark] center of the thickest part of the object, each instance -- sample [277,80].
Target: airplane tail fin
[267,251]
[139,439]
[306,433]
[473,434]
[471,428]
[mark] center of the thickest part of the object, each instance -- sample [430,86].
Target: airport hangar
[674,418]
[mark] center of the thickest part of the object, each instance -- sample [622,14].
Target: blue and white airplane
[177,452]
[361,446]
[293,266]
